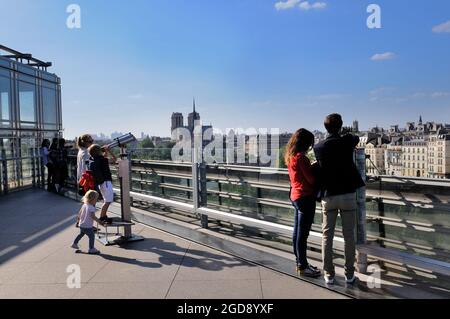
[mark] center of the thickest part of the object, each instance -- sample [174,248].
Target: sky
[249,63]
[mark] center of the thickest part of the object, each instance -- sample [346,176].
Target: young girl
[85,221]
[102,176]
[302,195]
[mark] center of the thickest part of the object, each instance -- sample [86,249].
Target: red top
[301,176]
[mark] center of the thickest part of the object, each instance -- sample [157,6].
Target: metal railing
[398,224]
[17,173]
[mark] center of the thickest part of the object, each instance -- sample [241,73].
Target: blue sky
[248,64]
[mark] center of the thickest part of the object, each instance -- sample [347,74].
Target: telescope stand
[125,203]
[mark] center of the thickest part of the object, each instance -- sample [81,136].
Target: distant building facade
[418,150]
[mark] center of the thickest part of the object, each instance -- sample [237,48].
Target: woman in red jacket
[303,196]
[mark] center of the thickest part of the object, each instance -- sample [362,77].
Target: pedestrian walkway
[37,229]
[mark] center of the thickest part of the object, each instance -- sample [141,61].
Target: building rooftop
[24,58]
[36,233]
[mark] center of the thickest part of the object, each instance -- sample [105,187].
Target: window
[49,106]
[5,101]
[27,102]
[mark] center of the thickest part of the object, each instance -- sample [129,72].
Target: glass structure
[30,111]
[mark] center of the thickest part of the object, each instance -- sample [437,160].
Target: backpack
[86,184]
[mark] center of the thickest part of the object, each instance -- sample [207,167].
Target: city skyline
[245,61]
[347,124]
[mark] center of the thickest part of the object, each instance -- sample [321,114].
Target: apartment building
[415,157]
[439,156]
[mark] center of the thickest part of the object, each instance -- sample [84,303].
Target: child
[102,177]
[85,221]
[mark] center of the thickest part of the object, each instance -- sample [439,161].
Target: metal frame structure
[20,57]
[21,135]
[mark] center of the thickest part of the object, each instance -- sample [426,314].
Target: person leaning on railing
[339,179]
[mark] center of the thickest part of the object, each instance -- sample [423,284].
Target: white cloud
[136,96]
[288,4]
[418,95]
[308,6]
[303,5]
[436,95]
[383,56]
[330,96]
[442,28]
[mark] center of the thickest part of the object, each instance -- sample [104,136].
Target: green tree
[146,143]
[281,163]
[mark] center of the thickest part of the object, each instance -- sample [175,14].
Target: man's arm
[353,140]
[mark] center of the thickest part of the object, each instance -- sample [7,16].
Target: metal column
[361,233]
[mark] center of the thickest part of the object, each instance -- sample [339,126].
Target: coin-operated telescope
[125,142]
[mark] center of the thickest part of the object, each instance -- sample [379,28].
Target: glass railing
[407,214]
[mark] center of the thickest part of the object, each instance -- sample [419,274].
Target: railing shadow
[20,213]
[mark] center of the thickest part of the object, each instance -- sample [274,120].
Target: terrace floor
[37,229]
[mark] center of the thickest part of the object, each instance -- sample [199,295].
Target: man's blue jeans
[305,210]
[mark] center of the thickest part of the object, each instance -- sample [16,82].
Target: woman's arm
[306,169]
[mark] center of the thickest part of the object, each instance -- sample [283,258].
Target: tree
[146,143]
[281,163]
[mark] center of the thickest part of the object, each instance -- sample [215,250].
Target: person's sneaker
[329,279]
[310,272]
[74,246]
[350,280]
[314,267]
[94,251]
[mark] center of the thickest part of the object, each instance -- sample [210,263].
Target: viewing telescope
[122,141]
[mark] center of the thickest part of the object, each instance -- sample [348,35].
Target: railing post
[381,226]
[41,171]
[361,222]
[33,166]
[203,193]
[199,174]
[4,172]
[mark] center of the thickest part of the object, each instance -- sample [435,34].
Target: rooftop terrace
[35,235]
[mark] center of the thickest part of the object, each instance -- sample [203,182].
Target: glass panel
[6,145]
[5,89]
[27,101]
[49,102]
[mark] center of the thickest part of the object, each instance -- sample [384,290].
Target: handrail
[420,262]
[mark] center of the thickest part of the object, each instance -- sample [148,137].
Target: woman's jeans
[90,233]
[305,210]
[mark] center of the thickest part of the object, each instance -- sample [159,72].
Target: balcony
[240,222]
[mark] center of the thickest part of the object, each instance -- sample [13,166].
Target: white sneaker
[329,279]
[94,251]
[75,246]
[351,280]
